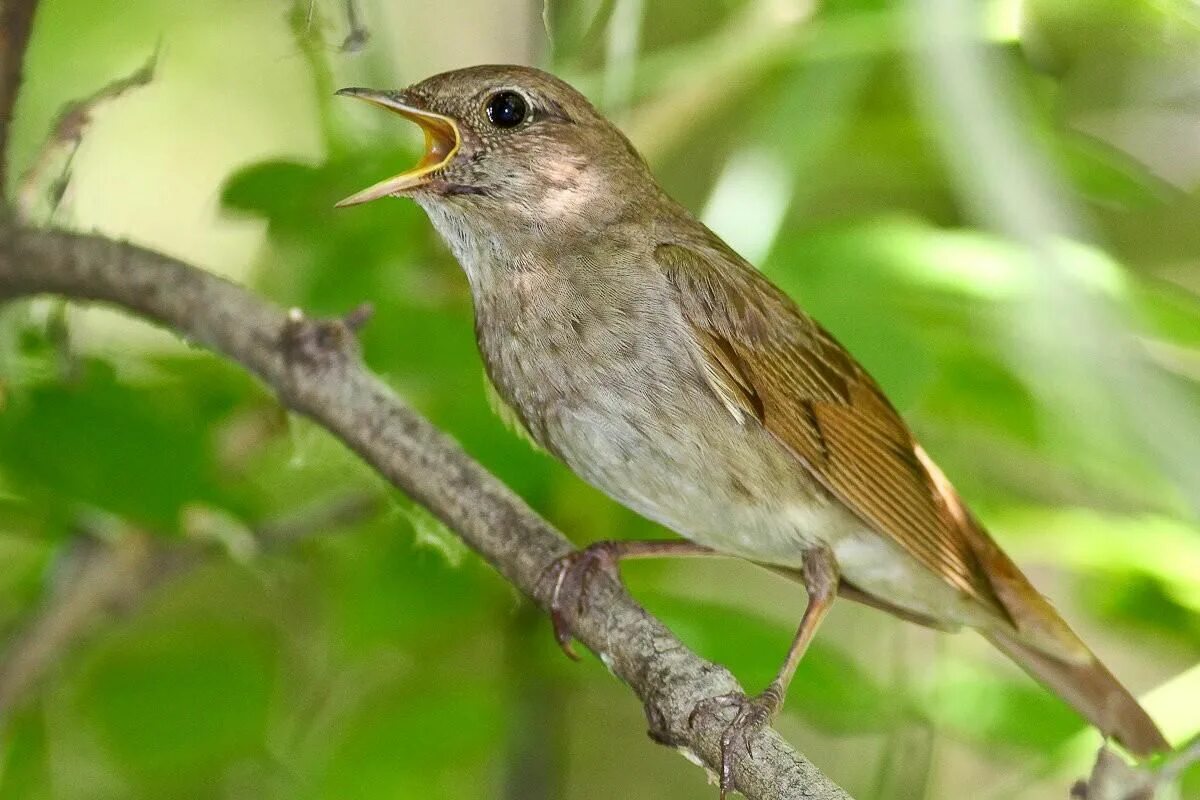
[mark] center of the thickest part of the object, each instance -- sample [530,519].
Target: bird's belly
[880,567]
[649,433]
[731,487]
[686,463]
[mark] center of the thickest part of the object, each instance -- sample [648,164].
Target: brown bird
[636,346]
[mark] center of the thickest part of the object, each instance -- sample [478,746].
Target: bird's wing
[766,359]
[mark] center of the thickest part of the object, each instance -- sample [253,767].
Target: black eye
[506,109]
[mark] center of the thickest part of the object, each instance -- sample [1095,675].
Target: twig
[16,23]
[120,571]
[358,35]
[66,136]
[311,46]
[314,369]
[319,518]
[1112,778]
[1179,761]
[104,576]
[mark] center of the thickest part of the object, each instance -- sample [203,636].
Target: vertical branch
[16,23]
[309,34]
[534,768]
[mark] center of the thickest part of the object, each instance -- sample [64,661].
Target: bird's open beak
[442,141]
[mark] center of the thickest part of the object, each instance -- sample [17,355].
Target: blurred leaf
[1161,548]
[981,706]
[979,393]
[139,452]
[1141,602]
[432,533]
[409,741]
[1189,784]
[1171,313]
[24,757]
[25,561]
[174,704]
[381,588]
[1112,31]
[1141,570]
[572,28]
[1106,177]
[279,191]
[23,516]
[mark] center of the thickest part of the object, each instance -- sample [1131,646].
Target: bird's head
[508,147]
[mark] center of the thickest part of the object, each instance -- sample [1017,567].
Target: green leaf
[1107,177]
[24,754]
[26,560]
[137,451]
[979,705]
[378,587]
[430,532]
[1140,569]
[175,704]
[435,740]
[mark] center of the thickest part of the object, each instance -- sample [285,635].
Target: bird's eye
[506,109]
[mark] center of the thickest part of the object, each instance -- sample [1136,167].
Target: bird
[632,343]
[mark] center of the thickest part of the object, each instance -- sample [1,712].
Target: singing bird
[641,350]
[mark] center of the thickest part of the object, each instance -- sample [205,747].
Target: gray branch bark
[314,369]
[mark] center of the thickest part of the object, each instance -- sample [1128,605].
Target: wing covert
[766,360]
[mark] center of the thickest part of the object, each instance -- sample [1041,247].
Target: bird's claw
[752,714]
[570,578]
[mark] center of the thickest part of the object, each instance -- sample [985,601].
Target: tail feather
[1092,691]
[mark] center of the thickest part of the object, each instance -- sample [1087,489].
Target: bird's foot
[569,578]
[752,714]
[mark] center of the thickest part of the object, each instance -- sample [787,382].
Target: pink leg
[820,575]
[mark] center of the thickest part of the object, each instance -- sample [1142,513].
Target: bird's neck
[497,241]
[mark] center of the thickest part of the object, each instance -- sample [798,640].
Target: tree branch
[67,135]
[314,369]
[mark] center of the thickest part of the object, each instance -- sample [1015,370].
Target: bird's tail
[1091,690]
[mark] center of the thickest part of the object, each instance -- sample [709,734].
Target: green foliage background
[372,657]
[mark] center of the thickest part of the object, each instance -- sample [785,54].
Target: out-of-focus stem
[534,762]
[1063,327]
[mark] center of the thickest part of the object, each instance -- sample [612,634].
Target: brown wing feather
[780,367]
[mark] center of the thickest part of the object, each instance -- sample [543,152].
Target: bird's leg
[820,575]
[571,575]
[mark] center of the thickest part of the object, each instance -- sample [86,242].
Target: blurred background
[994,204]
